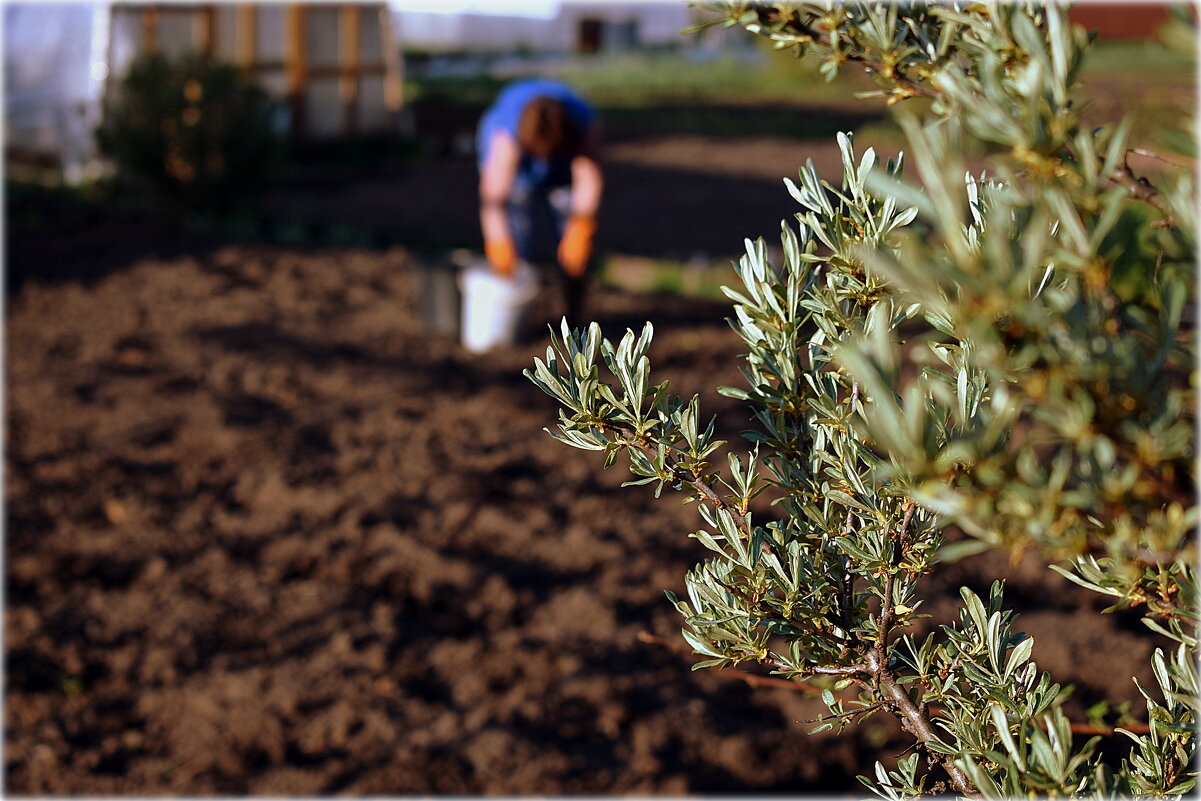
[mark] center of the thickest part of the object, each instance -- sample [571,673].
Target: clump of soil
[266,535]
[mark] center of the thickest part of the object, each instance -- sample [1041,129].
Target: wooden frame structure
[296,65]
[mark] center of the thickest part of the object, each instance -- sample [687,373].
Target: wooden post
[295,59]
[348,57]
[247,35]
[206,31]
[393,69]
[149,29]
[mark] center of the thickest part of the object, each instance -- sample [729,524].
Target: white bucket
[493,304]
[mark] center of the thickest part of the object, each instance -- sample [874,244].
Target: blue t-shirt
[505,113]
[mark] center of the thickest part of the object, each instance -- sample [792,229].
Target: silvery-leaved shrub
[1008,354]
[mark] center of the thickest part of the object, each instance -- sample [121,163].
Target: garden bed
[267,535]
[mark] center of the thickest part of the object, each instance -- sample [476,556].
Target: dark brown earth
[266,535]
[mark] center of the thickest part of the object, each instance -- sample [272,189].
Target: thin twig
[886,608]
[767,613]
[846,598]
[847,714]
[1077,728]
[1090,729]
[681,474]
[848,670]
[912,87]
[753,679]
[1139,151]
[1142,189]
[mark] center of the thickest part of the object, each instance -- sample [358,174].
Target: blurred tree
[191,133]
[1010,353]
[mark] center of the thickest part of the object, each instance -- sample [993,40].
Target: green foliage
[966,351]
[191,133]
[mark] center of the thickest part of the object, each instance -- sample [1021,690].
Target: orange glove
[501,254]
[576,247]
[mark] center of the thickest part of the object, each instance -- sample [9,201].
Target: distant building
[1121,21]
[336,64]
[563,27]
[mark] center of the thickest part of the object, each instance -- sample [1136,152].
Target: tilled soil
[267,535]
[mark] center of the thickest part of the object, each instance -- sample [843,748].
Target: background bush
[192,133]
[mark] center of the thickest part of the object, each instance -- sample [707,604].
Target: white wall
[469,31]
[657,23]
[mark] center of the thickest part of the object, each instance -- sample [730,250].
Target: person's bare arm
[587,185]
[587,182]
[497,175]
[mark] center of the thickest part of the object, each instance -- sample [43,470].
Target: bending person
[537,148]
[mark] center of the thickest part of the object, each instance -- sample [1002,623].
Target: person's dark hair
[546,129]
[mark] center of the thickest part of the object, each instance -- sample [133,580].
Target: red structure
[1121,20]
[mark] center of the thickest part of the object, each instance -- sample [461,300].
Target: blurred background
[271,530]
